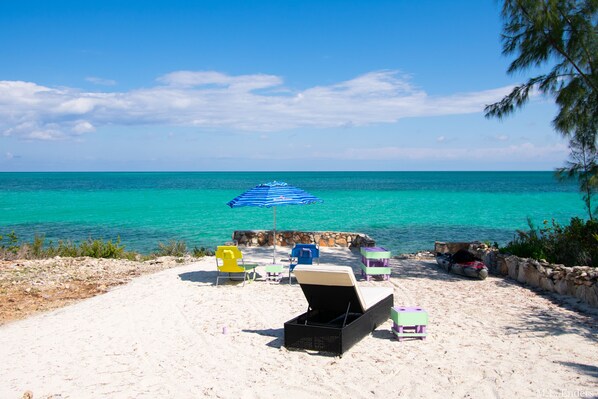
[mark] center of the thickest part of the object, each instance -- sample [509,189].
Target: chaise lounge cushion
[340,276]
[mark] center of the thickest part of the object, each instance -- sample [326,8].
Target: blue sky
[262,85]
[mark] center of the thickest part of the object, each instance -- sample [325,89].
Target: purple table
[375,261]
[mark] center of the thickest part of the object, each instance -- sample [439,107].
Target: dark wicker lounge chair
[339,314]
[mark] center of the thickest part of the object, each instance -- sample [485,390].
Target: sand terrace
[161,335]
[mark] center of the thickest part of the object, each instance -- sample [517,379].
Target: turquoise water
[405,211]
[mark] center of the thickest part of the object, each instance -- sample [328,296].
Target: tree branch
[555,46]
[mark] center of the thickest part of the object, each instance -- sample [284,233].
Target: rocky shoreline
[579,282]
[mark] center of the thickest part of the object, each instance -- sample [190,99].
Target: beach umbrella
[271,195]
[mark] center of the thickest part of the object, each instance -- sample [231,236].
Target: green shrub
[172,248]
[37,247]
[65,248]
[9,245]
[201,252]
[102,249]
[572,245]
[10,248]
[90,247]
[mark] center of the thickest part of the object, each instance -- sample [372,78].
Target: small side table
[273,272]
[409,322]
[375,261]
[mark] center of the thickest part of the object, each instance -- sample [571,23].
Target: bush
[37,247]
[101,249]
[172,248]
[10,248]
[201,252]
[9,245]
[572,245]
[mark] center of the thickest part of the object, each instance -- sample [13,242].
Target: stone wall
[580,282]
[258,238]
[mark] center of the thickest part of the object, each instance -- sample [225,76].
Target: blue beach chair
[303,254]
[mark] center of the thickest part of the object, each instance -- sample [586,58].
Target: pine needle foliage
[561,37]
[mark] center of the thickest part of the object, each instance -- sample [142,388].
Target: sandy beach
[174,334]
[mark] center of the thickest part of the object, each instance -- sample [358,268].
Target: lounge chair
[227,262]
[340,313]
[303,254]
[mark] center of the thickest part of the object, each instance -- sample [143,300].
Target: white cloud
[9,155]
[521,152]
[440,139]
[215,100]
[83,127]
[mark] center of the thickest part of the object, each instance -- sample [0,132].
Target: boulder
[512,267]
[546,284]
[531,275]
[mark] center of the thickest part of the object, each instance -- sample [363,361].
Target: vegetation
[572,245]
[12,248]
[583,167]
[561,35]
[201,252]
[9,244]
[172,248]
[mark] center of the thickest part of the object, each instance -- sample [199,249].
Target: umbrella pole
[274,238]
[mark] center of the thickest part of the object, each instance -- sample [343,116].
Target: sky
[262,85]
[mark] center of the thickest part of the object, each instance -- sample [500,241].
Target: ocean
[403,211]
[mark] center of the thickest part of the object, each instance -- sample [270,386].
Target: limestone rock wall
[578,281]
[257,238]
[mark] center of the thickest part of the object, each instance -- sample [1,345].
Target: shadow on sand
[276,333]
[588,369]
[580,319]
[209,278]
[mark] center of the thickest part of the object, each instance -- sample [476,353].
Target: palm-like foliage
[562,34]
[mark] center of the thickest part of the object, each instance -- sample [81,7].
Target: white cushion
[341,276]
[372,295]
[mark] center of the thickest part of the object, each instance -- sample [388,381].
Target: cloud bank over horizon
[214,100]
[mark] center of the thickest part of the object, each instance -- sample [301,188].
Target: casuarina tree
[560,36]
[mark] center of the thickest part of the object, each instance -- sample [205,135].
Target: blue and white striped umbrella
[273,194]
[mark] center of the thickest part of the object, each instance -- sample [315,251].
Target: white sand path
[161,336]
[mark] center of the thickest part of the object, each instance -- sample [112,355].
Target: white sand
[161,336]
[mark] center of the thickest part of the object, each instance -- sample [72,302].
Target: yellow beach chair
[227,262]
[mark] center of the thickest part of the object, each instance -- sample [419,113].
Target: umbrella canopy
[273,194]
